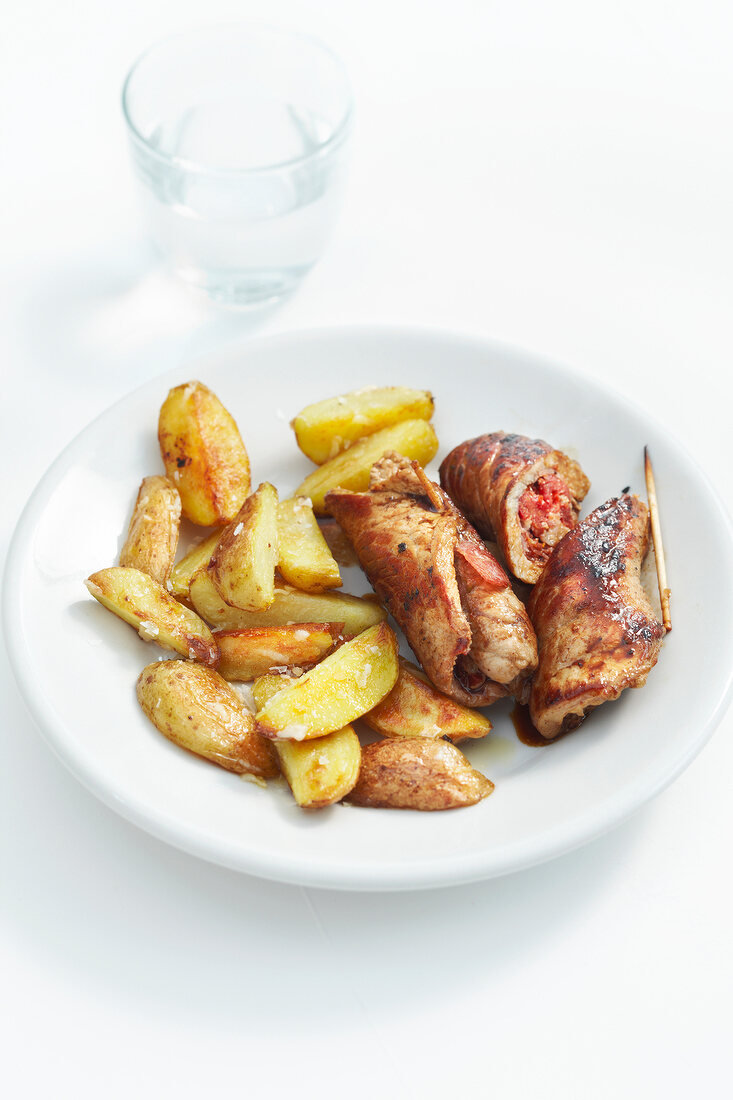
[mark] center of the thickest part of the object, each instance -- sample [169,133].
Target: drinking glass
[239,137]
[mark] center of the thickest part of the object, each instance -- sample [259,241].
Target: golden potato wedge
[244,560]
[321,771]
[143,603]
[197,557]
[267,685]
[152,537]
[194,707]
[203,454]
[350,470]
[289,606]
[414,708]
[329,427]
[345,685]
[305,560]
[417,773]
[246,654]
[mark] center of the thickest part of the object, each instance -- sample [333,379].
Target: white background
[555,175]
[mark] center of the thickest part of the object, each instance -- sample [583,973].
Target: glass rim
[332,141]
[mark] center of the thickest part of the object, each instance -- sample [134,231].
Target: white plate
[77,665]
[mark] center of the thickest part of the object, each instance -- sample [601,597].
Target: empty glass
[239,136]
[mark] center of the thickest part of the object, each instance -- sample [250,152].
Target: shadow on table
[112,909]
[117,312]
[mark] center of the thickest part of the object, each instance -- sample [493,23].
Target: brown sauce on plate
[525,731]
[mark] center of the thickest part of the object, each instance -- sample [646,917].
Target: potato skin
[346,684]
[195,708]
[243,563]
[414,439]
[417,773]
[329,427]
[152,537]
[414,708]
[203,454]
[246,654]
[289,606]
[143,603]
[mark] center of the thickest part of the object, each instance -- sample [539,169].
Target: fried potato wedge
[288,606]
[143,603]
[194,707]
[152,537]
[345,685]
[414,708]
[417,773]
[318,772]
[322,771]
[197,557]
[244,560]
[350,470]
[203,454]
[327,428]
[264,687]
[305,559]
[246,654]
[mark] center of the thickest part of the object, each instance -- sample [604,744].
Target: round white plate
[77,664]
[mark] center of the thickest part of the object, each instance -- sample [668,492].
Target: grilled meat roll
[518,491]
[451,597]
[596,629]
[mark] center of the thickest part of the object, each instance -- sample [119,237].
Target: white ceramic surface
[77,665]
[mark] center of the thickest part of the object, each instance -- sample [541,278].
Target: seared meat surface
[519,491]
[503,643]
[596,630]
[431,570]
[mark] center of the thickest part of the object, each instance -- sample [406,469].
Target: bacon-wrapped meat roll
[452,599]
[596,629]
[518,491]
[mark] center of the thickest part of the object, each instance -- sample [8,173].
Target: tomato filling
[468,674]
[545,513]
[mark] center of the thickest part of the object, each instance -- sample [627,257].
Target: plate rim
[572,834]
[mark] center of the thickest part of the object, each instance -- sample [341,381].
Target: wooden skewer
[664,592]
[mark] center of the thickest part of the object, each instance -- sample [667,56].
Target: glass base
[245,289]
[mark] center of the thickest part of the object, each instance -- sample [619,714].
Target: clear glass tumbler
[239,137]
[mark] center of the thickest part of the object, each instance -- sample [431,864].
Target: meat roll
[452,599]
[596,629]
[519,492]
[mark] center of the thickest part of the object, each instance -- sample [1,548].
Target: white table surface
[554,175]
